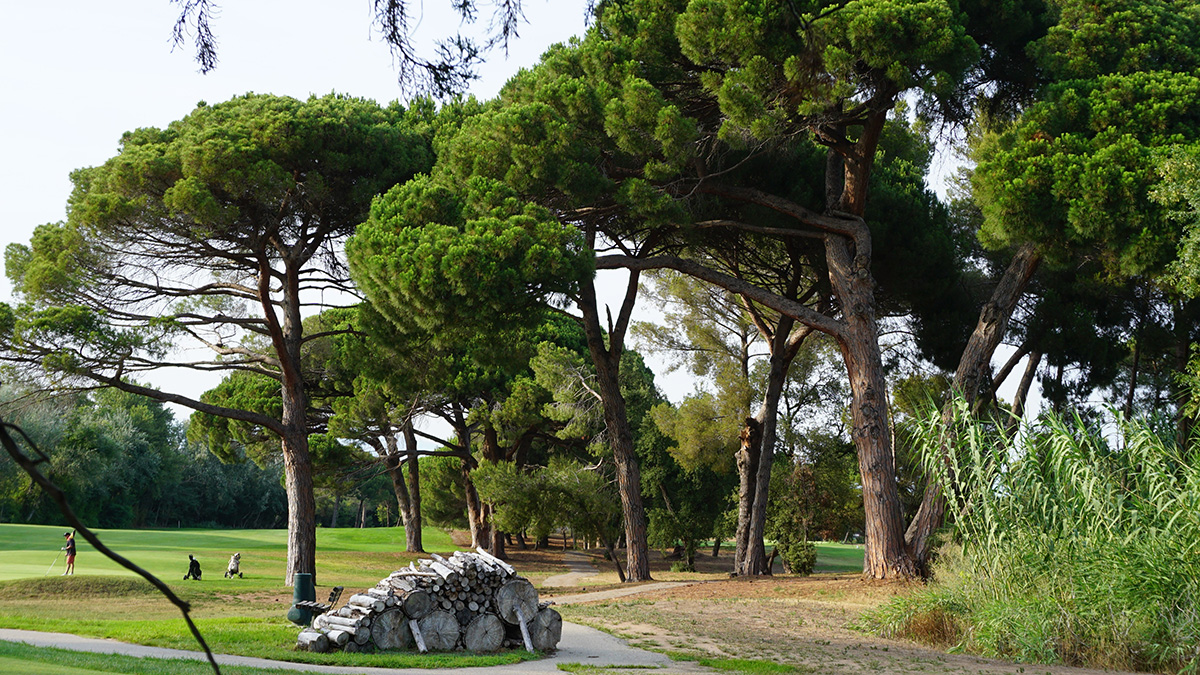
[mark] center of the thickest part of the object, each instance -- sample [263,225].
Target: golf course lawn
[245,616]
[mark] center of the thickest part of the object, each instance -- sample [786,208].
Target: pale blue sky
[76,74]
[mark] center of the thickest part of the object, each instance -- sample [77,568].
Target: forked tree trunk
[974,373]
[784,346]
[408,494]
[607,360]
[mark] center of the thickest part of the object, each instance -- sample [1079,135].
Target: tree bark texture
[970,379]
[606,355]
[885,556]
[747,466]
[413,522]
[476,517]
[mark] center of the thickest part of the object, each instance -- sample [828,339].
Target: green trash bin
[302,589]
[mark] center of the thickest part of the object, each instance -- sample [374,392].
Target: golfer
[70,549]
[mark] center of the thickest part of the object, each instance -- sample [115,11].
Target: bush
[1081,545]
[799,557]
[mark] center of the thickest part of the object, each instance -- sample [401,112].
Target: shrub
[1080,544]
[799,557]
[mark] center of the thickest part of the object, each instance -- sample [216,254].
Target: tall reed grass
[1073,542]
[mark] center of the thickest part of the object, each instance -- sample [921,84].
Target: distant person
[235,562]
[70,549]
[193,569]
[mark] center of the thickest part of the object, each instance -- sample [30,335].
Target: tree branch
[732,284]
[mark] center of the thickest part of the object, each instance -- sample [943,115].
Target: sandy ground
[804,622]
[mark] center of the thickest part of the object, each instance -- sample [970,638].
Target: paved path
[579,644]
[580,566]
[620,592]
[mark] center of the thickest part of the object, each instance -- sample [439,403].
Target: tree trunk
[412,506]
[337,506]
[1183,421]
[1133,372]
[784,346]
[1022,393]
[497,539]
[974,370]
[606,355]
[747,465]
[302,508]
[476,517]
[629,481]
[885,555]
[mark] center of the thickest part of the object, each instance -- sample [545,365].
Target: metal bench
[319,608]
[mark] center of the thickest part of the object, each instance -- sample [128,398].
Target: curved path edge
[579,644]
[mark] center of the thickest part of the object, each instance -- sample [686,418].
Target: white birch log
[367,602]
[415,627]
[339,637]
[508,569]
[524,630]
[313,641]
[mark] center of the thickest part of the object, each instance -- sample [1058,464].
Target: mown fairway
[347,556]
[244,616]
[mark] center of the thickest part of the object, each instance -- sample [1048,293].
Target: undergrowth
[1077,543]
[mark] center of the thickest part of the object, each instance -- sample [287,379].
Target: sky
[77,74]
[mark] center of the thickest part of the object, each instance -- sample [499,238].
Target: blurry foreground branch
[31,467]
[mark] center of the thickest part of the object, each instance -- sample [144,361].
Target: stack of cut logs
[470,601]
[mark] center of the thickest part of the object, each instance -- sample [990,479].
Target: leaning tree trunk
[782,353]
[629,481]
[974,373]
[848,255]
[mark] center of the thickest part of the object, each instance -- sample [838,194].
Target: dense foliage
[1076,543]
[123,462]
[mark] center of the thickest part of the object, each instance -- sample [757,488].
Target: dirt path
[579,566]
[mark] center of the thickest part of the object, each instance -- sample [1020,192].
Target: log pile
[470,601]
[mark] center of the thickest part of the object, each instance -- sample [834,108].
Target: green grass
[243,616]
[750,666]
[835,557]
[29,550]
[29,660]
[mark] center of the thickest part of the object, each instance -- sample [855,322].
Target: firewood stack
[470,601]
